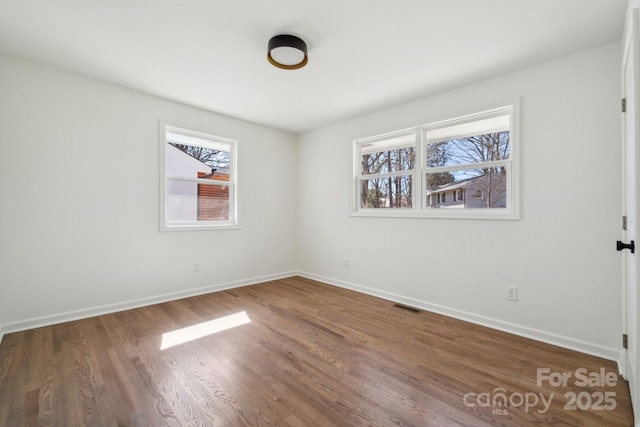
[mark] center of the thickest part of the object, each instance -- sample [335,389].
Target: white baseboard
[127,305]
[524,331]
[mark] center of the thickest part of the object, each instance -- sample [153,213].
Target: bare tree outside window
[437,155]
[390,191]
[215,159]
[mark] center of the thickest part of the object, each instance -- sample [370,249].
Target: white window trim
[511,212]
[233,222]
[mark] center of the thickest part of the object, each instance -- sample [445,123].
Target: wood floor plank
[311,355]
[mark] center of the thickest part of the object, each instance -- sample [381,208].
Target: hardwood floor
[312,355]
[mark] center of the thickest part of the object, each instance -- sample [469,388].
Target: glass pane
[473,149]
[191,202]
[192,161]
[389,155]
[213,203]
[468,189]
[391,192]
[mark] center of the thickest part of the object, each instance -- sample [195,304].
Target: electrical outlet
[346,263]
[512,293]
[196,267]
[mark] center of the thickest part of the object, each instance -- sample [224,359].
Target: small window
[410,172]
[199,188]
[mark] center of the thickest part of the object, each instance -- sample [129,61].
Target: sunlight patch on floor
[191,333]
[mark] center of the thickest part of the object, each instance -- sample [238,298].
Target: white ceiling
[363,54]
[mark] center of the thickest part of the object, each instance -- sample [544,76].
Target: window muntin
[199,188]
[466,167]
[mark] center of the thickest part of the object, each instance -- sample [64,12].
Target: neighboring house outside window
[473,187]
[213,200]
[198,183]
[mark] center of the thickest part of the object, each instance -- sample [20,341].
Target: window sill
[199,226]
[435,213]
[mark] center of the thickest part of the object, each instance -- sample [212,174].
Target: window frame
[420,208]
[232,183]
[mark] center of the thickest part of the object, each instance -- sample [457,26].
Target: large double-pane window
[199,188]
[459,168]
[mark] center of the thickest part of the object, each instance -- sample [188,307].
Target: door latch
[632,246]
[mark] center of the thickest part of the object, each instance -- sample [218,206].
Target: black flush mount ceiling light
[287,52]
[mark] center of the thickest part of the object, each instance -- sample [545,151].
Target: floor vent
[406,307]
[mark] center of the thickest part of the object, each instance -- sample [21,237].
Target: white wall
[560,255]
[79,210]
